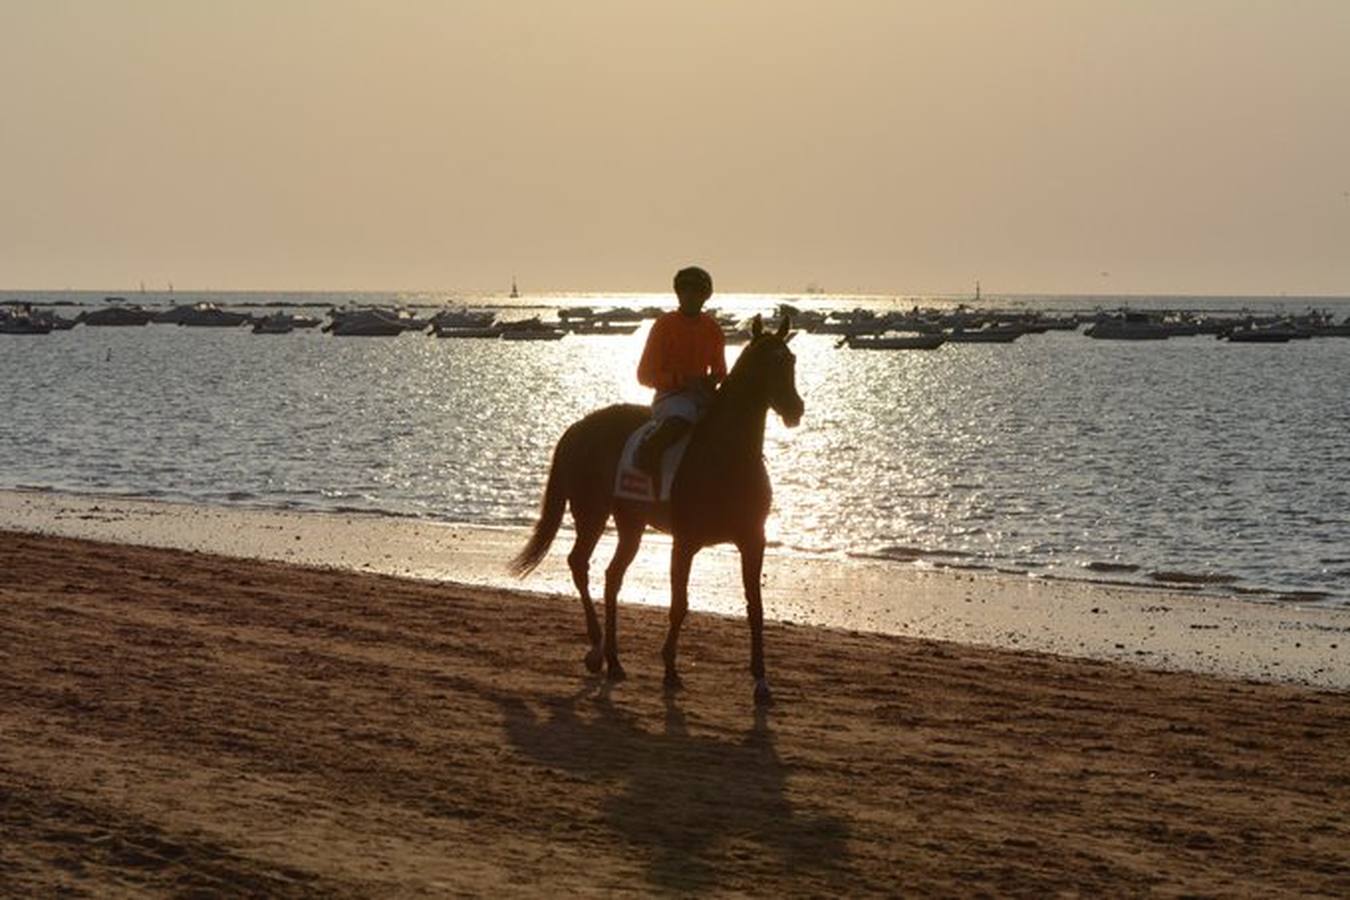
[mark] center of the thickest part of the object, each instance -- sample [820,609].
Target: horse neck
[738,414]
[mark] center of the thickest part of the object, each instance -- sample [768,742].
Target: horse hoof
[673,683]
[763,696]
[616,672]
[595,661]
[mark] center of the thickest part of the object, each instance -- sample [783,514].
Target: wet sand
[1303,643]
[183,723]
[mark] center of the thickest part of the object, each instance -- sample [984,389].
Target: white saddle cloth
[631,483]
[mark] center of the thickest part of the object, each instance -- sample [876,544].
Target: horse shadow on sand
[695,806]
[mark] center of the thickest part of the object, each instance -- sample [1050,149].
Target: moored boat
[364,323]
[487,331]
[201,315]
[58,323]
[1260,334]
[531,329]
[894,342]
[620,314]
[1132,326]
[533,334]
[462,318]
[116,316]
[997,334]
[23,323]
[277,323]
[1329,330]
[208,315]
[38,320]
[602,327]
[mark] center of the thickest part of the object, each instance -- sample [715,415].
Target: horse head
[774,368]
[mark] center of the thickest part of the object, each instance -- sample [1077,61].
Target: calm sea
[1057,455]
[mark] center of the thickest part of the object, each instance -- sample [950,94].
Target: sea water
[1056,455]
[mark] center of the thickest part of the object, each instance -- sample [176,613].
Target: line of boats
[1245,329]
[353,322]
[860,329]
[356,321]
[919,329]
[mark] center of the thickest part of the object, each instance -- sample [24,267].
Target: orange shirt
[680,349]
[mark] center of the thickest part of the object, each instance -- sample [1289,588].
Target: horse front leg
[681,561]
[630,537]
[752,566]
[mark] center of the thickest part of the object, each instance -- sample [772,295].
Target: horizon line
[804,294]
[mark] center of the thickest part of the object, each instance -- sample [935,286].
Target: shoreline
[1101,574]
[1146,626]
[182,723]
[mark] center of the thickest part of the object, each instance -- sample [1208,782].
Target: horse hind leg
[589,529]
[630,538]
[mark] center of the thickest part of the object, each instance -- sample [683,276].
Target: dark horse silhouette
[721,494]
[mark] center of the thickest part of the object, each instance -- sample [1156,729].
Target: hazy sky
[1196,146]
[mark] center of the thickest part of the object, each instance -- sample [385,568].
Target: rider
[684,359]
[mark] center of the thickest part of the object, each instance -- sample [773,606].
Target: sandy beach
[1194,631]
[180,723]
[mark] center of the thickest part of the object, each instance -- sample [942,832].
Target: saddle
[632,483]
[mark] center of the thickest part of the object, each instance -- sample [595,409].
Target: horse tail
[550,517]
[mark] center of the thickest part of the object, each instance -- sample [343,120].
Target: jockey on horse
[683,361]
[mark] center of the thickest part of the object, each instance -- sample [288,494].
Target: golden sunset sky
[1168,146]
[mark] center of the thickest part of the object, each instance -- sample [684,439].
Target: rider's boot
[648,457]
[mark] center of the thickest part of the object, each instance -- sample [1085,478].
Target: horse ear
[791,335]
[784,325]
[756,326]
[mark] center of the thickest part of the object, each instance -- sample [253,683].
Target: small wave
[1110,582]
[1110,567]
[240,496]
[885,557]
[373,511]
[494,521]
[1303,596]
[1171,577]
[903,550]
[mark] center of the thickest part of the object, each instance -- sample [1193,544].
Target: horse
[720,494]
